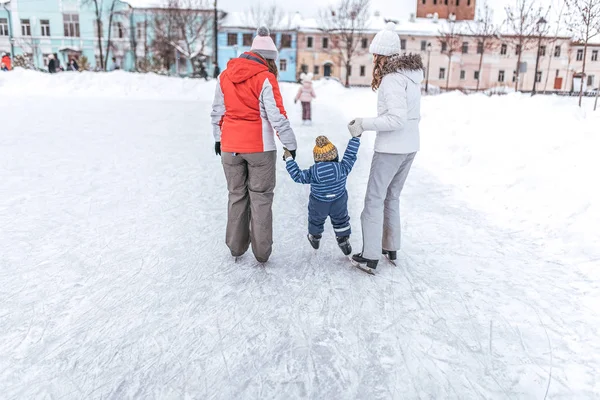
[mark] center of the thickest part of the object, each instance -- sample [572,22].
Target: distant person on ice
[306,94]
[328,195]
[51,64]
[397,78]
[247,109]
[5,62]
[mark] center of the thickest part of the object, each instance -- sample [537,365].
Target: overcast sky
[395,9]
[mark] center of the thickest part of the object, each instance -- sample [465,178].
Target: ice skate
[315,241]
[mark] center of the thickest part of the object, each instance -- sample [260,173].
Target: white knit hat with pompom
[263,44]
[386,42]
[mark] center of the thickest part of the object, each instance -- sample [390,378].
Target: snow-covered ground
[115,281]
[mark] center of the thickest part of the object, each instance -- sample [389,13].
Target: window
[325,42]
[274,38]
[423,45]
[247,39]
[45,27]
[310,42]
[476,75]
[514,79]
[542,51]
[442,73]
[424,1]
[363,70]
[503,49]
[25,27]
[457,2]
[71,25]
[580,55]
[3,26]
[316,70]
[590,80]
[402,44]
[465,47]
[557,72]
[434,1]
[517,49]
[469,3]
[538,76]
[283,65]
[463,75]
[304,68]
[364,43]
[119,30]
[500,76]
[479,47]
[232,39]
[349,70]
[557,51]
[595,55]
[96,23]
[444,47]
[286,41]
[139,30]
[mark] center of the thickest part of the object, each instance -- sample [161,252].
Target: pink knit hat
[263,44]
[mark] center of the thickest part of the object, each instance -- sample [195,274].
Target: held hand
[218,148]
[355,127]
[287,154]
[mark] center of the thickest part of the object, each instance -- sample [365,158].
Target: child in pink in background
[306,94]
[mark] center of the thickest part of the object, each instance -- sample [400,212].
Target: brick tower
[464,10]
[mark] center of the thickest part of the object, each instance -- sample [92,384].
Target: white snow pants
[381,216]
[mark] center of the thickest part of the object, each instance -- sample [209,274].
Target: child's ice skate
[344,243]
[315,241]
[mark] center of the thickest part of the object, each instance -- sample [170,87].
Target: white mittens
[355,127]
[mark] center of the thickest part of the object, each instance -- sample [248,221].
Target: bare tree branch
[346,23]
[522,23]
[450,41]
[584,22]
[485,31]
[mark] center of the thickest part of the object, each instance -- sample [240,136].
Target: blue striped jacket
[327,179]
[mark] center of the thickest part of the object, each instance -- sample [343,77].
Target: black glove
[293,153]
[218,148]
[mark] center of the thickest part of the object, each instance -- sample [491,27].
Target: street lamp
[428,62]
[541,26]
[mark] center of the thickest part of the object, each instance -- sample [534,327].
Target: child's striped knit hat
[324,150]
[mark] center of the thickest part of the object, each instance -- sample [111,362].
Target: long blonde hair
[378,75]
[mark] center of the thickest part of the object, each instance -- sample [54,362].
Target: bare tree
[522,22]
[346,22]
[554,39]
[450,41]
[584,22]
[270,16]
[99,14]
[486,32]
[192,18]
[273,17]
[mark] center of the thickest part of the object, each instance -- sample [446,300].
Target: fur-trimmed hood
[410,65]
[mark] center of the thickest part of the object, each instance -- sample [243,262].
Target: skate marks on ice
[122,286]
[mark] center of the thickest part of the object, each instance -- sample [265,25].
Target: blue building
[235,37]
[139,38]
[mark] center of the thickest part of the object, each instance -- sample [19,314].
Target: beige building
[560,60]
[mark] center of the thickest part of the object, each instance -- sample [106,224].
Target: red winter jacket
[6,61]
[248,107]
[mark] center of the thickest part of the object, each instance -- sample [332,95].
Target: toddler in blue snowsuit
[328,195]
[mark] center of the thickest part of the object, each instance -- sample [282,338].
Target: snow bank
[113,85]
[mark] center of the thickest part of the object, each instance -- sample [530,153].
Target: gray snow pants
[381,216]
[251,182]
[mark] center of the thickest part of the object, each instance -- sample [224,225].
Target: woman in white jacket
[397,78]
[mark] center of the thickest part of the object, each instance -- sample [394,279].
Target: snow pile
[531,163]
[113,85]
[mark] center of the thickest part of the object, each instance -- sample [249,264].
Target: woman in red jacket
[247,111]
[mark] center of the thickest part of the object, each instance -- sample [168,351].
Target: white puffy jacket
[399,112]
